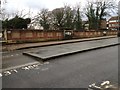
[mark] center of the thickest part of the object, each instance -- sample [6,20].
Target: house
[34,25]
[103,24]
[85,25]
[113,23]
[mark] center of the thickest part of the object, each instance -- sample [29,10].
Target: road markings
[0,75]
[20,66]
[7,73]
[35,65]
[25,68]
[28,66]
[14,70]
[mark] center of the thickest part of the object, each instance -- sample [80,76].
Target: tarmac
[40,52]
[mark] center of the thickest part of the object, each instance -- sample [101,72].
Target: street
[73,71]
[16,58]
[60,44]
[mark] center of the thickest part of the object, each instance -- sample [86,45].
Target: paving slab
[49,52]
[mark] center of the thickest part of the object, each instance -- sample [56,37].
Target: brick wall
[40,35]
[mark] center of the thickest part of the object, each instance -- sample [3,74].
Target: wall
[40,35]
[33,35]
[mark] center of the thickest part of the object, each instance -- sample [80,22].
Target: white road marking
[14,70]
[30,67]
[12,55]
[7,73]
[34,65]
[105,82]
[20,66]
[25,68]
[0,75]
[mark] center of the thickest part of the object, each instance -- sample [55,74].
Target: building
[103,24]
[34,25]
[85,25]
[113,23]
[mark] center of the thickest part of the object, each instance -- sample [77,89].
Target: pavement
[50,52]
[41,44]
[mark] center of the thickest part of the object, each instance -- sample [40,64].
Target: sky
[35,5]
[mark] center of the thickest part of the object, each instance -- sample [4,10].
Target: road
[15,58]
[73,71]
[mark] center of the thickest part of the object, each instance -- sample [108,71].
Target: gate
[68,34]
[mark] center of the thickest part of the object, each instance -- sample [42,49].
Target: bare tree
[98,10]
[43,17]
[77,17]
[58,17]
[3,14]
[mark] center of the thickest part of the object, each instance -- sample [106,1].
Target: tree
[62,18]
[78,20]
[96,11]
[44,18]
[92,17]
[3,14]
[58,16]
[69,18]
[16,23]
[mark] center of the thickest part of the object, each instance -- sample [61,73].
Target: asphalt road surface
[73,71]
[15,58]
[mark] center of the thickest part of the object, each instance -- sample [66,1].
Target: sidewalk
[46,53]
[41,44]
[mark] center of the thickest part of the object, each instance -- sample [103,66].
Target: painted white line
[19,66]
[7,73]
[0,74]
[25,68]
[14,70]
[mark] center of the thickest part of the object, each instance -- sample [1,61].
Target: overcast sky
[36,5]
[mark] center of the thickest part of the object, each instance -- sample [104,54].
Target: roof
[114,18]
